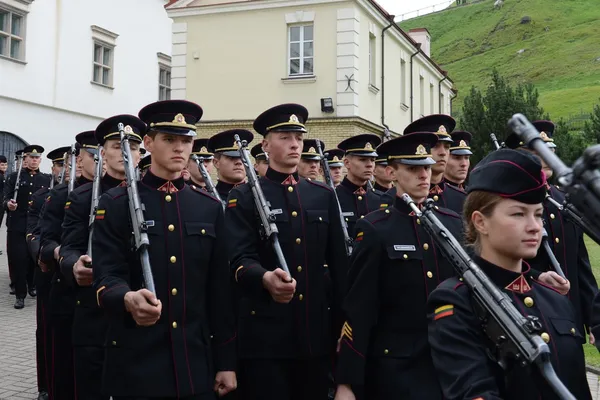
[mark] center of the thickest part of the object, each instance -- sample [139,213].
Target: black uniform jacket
[460,347]
[310,234]
[444,195]
[566,242]
[34,213]
[89,323]
[394,267]
[356,202]
[29,183]
[188,257]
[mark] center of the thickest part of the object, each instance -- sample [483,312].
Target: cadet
[227,160]
[144,165]
[200,149]
[261,163]
[355,198]
[19,259]
[383,181]
[335,161]
[565,239]
[310,160]
[393,269]
[503,212]
[457,169]
[16,165]
[156,352]
[284,326]
[3,168]
[89,324]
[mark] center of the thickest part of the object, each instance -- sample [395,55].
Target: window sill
[404,107]
[300,79]
[102,86]
[373,89]
[15,60]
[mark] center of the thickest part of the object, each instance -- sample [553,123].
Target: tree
[592,127]
[569,144]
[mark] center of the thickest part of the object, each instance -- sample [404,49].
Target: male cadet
[144,165]
[355,198]
[10,269]
[310,160]
[457,169]
[383,180]
[31,179]
[335,161]
[172,352]
[42,278]
[565,239]
[201,150]
[284,326]
[3,168]
[227,160]
[261,163]
[89,324]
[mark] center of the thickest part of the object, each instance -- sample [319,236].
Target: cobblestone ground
[18,379]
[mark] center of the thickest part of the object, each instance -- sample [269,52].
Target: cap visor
[233,154]
[445,139]
[461,152]
[412,161]
[363,154]
[336,164]
[311,157]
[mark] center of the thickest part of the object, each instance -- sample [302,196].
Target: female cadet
[394,267]
[503,214]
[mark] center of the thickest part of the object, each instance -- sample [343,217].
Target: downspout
[412,88]
[440,92]
[387,128]
[452,98]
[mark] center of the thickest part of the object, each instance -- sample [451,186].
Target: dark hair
[485,203]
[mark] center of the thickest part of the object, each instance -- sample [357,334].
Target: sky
[399,7]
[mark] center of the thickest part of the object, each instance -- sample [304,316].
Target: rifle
[136,212]
[573,214]
[495,141]
[581,182]
[515,337]
[95,197]
[329,181]
[61,176]
[207,180]
[72,168]
[18,180]
[551,256]
[267,218]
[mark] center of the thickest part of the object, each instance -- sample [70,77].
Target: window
[372,59]
[431,99]
[164,83]
[403,82]
[12,34]
[103,64]
[422,96]
[301,50]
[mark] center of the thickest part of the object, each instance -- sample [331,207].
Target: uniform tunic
[356,202]
[444,195]
[175,357]
[460,348]
[394,268]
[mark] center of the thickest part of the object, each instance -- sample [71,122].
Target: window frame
[301,58]
[110,66]
[372,59]
[164,86]
[21,38]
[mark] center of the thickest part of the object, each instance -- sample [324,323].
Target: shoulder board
[446,211]
[116,192]
[203,193]
[456,189]
[83,188]
[319,184]
[378,215]
[453,284]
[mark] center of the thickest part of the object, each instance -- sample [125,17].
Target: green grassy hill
[561,43]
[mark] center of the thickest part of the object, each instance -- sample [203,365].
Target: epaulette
[116,192]
[446,211]
[378,215]
[84,188]
[203,192]
[453,284]
[459,190]
[319,184]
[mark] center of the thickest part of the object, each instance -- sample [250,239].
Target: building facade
[353,68]
[67,64]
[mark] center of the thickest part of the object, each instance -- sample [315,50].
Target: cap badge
[335,158]
[312,150]
[368,146]
[294,119]
[179,119]
[462,144]
[128,130]
[442,130]
[34,151]
[235,145]
[421,150]
[203,149]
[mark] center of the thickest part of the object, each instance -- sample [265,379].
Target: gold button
[386,351]
[528,302]
[252,312]
[300,297]
[174,292]
[405,256]
[557,240]
[174,325]
[418,221]
[171,228]
[573,331]
[359,197]
[294,214]
[298,241]
[346,219]
[299,268]
[436,198]
[114,343]
[290,189]
[320,218]
[552,216]
[78,302]
[362,216]
[29,192]
[387,211]
[429,274]
[326,266]
[173,259]
[436,207]
[168,198]
[425,246]
[545,337]
[203,231]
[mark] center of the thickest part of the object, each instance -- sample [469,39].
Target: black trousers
[42,331]
[274,379]
[88,362]
[62,378]
[19,260]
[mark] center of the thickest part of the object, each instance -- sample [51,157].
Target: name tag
[150,223]
[348,214]
[277,211]
[404,247]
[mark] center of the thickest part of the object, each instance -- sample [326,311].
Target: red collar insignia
[519,285]
[168,187]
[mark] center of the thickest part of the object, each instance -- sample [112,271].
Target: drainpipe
[387,128]
[412,88]
[452,99]
[440,92]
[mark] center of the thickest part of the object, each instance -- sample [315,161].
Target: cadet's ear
[347,161]
[480,223]
[148,143]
